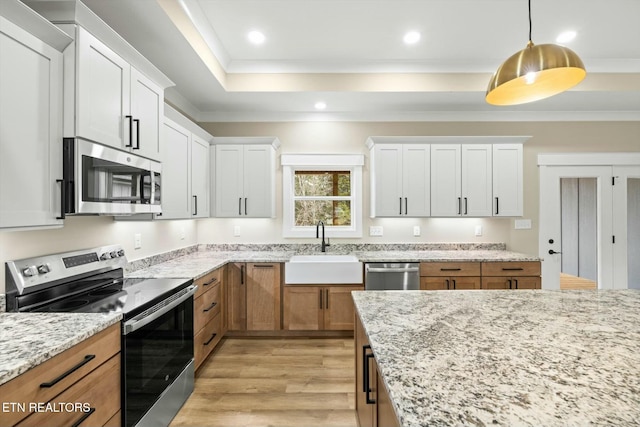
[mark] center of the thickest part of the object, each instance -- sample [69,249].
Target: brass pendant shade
[535,73]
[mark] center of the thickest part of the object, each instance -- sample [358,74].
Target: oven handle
[137,323]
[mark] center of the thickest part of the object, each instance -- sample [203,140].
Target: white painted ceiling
[303,37]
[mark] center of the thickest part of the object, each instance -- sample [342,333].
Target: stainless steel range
[157,325]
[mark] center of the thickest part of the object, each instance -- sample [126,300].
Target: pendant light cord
[529,20]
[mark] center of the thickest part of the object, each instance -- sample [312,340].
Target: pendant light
[534,73]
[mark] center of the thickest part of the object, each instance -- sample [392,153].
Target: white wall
[91,231]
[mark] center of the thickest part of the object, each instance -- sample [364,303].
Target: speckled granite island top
[28,339]
[538,358]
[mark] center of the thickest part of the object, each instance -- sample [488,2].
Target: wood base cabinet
[87,374]
[207,315]
[373,406]
[254,296]
[436,276]
[511,275]
[319,308]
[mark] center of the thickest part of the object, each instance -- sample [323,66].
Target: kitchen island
[506,358]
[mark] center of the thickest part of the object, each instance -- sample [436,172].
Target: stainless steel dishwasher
[392,276]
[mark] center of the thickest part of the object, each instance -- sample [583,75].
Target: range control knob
[121,252]
[30,271]
[44,269]
[114,254]
[105,256]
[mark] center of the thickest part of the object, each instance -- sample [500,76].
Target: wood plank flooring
[274,382]
[567,281]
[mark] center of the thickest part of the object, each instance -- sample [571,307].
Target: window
[323,188]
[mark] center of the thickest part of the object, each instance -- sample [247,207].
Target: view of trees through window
[322,196]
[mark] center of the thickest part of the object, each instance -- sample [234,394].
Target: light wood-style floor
[274,382]
[567,281]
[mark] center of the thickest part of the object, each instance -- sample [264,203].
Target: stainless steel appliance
[105,181]
[157,325]
[388,276]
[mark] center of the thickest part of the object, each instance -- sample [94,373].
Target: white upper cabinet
[461,180]
[30,117]
[245,177]
[199,177]
[400,180]
[507,180]
[112,94]
[176,193]
[185,169]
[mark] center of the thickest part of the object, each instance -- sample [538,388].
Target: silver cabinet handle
[393,270]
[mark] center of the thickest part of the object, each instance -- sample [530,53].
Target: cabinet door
[364,411]
[476,180]
[263,297]
[465,283]
[258,188]
[385,414]
[416,179]
[446,198]
[496,283]
[435,283]
[527,283]
[199,177]
[229,180]
[147,109]
[103,94]
[507,180]
[302,308]
[176,146]
[31,129]
[387,180]
[237,297]
[338,307]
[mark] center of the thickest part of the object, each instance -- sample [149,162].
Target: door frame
[549,164]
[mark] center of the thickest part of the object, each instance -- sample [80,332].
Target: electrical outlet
[236,231]
[375,230]
[478,230]
[416,231]
[522,224]
[137,241]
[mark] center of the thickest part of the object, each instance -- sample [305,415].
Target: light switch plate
[236,231]
[375,230]
[523,224]
[478,230]
[416,231]
[137,241]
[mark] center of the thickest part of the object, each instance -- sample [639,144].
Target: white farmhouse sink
[322,269]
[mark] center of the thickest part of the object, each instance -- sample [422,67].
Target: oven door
[157,347]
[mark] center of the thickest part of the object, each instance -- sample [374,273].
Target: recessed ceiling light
[256,37]
[412,37]
[320,105]
[566,37]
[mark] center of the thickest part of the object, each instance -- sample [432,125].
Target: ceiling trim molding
[434,116]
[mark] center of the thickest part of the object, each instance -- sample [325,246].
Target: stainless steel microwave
[100,180]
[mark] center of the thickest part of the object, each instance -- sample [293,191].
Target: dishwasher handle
[393,270]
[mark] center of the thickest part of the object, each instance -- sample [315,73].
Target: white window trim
[330,162]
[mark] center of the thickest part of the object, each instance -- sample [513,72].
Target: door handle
[465,206]
[63,198]
[552,252]
[245,205]
[195,208]
[137,147]
[320,293]
[400,198]
[240,206]
[368,390]
[497,209]
[406,207]
[130,144]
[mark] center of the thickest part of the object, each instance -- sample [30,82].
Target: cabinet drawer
[59,372]
[528,268]
[98,393]
[206,307]
[450,269]
[206,340]
[206,282]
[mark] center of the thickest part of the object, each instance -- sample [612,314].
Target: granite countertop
[507,357]
[443,255]
[28,339]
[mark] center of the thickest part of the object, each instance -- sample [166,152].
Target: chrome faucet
[323,244]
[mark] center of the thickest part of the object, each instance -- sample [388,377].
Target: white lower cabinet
[31,119]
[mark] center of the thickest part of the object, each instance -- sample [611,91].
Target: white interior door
[626,226]
[576,224]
